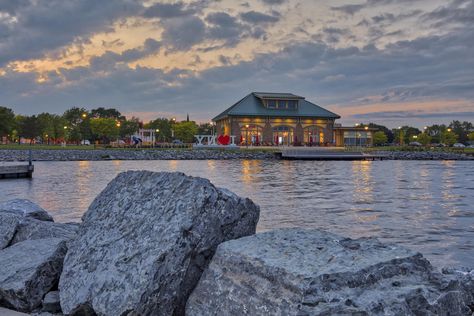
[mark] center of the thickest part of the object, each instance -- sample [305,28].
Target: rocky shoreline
[132,154]
[169,244]
[190,154]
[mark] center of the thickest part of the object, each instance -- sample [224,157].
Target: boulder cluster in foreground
[169,244]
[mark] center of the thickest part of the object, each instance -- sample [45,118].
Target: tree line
[455,132]
[102,125]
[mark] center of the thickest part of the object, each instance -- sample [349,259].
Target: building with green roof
[262,118]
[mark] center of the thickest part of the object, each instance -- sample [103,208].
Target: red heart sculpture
[223,140]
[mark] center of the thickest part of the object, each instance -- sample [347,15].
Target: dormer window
[280,104]
[271,104]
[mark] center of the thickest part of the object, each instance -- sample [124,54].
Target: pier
[17,171]
[324,154]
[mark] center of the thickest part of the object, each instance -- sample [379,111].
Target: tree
[51,127]
[107,113]
[7,121]
[28,127]
[449,138]
[205,129]
[380,138]
[387,132]
[77,129]
[424,139]
[185,131]
[471,136]
[162,124]
[461,129]
[105,128]
[399,136]
[129,127]
[435,132]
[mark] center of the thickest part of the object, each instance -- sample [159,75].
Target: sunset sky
[392,62]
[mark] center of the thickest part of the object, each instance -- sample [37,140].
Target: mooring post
[30,158]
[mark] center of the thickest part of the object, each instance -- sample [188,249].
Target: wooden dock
[311,154]
[16,171]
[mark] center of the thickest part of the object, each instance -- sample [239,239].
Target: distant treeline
[101,124]
[456,131]
[105,125]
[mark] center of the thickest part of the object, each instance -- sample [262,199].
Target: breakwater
[190,154]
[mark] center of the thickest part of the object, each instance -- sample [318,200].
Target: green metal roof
[252,105]
[282,96]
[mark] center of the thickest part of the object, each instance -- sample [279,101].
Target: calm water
[425,205]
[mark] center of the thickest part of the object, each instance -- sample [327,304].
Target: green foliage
[471,136]
[380,138]
[28,127]
[77,124]
[448,138]
[105,128]
[386,130]
[185,131]
[107,113]
[7,121]
[164,125]
[424,139]
[51,127]
[130,127]
[461,129]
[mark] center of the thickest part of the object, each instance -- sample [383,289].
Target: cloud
[258,17]
[43,26]
[350,9]
[183,33]
[225,27]
[168,10]
[273,2]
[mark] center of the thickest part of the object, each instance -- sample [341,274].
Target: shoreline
[13,155]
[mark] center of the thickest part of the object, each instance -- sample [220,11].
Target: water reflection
[425,205]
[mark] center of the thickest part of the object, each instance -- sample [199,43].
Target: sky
[391,62]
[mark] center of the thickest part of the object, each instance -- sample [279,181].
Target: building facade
[276,119]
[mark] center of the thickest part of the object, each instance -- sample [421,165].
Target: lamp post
[157,131]
[400,135]
[247,135]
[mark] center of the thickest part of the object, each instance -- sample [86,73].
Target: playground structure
[144,137]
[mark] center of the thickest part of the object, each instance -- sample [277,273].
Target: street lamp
[449,130]
[247,136]
[84,115]
[400,134]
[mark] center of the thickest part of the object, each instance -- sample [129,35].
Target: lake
[425,205]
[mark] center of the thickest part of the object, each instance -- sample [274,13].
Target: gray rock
[25,208]
[145,241]
[30,229]
[51,302]
[300,272]
[8,225]
[28,270]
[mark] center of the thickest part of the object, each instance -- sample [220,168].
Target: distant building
[286,119]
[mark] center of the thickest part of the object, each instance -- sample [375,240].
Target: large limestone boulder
[25,208]
[28,270]
[145,241]
[8,225]
[299,272]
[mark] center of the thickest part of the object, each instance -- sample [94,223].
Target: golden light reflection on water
[363,190]
[448,194]
[362,179]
